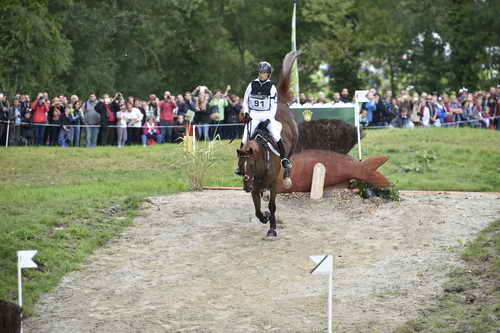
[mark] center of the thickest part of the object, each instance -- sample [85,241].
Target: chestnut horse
[261,168]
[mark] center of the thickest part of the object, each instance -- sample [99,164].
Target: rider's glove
[247,118]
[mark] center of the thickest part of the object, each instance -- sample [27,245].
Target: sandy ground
[197,262]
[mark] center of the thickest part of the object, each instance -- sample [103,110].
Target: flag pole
[24,260]
[294,48]
[7,138]
[20,288]
[19,283]
[357,110]
[330,288]
[324,264]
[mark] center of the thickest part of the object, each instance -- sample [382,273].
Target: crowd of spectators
[125,121]
[338,98]
[464,108]
[118,120]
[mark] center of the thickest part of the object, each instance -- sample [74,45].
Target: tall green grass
[66,202]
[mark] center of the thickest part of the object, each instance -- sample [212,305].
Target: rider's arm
[245,99]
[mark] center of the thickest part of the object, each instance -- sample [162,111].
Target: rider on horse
[260,104]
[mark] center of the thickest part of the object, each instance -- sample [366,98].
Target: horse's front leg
[263,218]
[272,209]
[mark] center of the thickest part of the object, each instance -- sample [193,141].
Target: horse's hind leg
[272,209]
[263,218]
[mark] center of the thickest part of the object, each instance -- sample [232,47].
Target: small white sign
[25,259]
[361,96]
[324,264]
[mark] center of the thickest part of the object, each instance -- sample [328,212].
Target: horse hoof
[272,233]
[287,182]
[265,217]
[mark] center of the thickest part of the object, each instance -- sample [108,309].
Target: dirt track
[197,262]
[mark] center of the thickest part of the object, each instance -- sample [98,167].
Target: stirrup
[285,163]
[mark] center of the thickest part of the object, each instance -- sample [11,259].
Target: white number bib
[259,103]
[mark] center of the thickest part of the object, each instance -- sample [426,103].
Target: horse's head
[248,159]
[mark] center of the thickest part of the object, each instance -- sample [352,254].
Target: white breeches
[274,126]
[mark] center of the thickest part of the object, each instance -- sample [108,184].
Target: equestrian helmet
[264,67]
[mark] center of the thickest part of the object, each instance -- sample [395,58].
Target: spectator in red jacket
[167,107]
[39,109]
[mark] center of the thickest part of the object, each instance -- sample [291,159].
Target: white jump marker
[24,260]
[324,265]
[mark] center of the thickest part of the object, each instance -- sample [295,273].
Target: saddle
[264,137]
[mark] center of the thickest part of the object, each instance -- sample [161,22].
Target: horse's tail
[284,95]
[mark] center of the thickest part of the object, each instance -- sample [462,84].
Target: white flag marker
[24,260]
[324,265]
[360,97]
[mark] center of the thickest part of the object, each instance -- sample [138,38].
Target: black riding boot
[238,171]
[285,162]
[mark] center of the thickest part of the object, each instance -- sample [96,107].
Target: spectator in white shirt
[134,124]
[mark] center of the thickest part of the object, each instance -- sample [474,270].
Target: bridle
[245,166]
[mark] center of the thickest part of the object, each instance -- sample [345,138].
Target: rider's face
[263,76]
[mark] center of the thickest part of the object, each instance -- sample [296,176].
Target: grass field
[67,202]
[471,299]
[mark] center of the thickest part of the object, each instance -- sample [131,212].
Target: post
[324,265]
[20,289]
[330,296]
[7,137]
[24,260]
[357,109]
[318,181]
[194,138]
[19,284]
[294,48]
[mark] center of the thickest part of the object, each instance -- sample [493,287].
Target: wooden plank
[318,181]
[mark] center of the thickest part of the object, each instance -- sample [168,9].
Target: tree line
[148,46]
